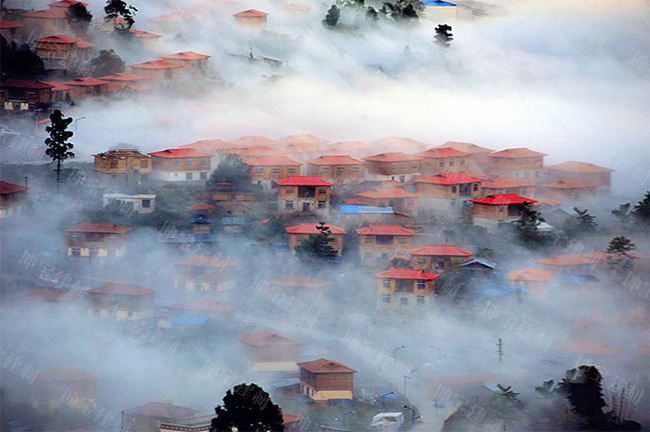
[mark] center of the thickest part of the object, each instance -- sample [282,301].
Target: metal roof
[357,209]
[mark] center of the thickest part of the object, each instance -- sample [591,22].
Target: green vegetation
[443,35]
[107,63]
[58,147]
[119,9]
[247,407]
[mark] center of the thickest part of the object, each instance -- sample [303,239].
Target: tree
[107,63]
[233,170]
[399,262]
[20,63]
[580,223]
[317,246]
[402,10]
[583,389]
[79,18]
[527,227]
[372,15]
[642,210]
[443,35]
[618,254]
[119,9]
[247,407]
[58,147]
[332,17]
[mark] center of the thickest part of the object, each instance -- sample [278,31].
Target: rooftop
[201,305]
[398,142]
[441,250]
[520,152]
[56,86]
[206,261]
[324,366]
[251,13]
[28,84]
[578,167]
[66,375]
[499,199]
[6,25]
[569,184]
[335,160]
[177,16]
[66,3]
[265,338]
[465,147]
[303,181]
[402,273]
[271,161]
[155,64]
[392,157]
[298,281]
[386,193]
[186,55]
[47,14]
[89,81]
[505,182]
[529,274]
[144,34]
[444,152]
[302,139]
[121,289]
[448,179]
[99,227]
[10,188]
[209,145]
[310,228]
[122,76]
[385,230]
[252,140]
[179,153]
[566,260]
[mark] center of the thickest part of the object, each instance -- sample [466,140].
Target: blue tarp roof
[436,3]
[357,209]
[499,290]
[200,219]
[192,320]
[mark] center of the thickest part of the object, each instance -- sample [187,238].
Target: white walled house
[142,204]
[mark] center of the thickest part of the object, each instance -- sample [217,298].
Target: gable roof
[7,25]
[519,152]
[98,227]
[251,151]
[498,199]
[398,142]
[179,153]
[65,375]
[569,184]
[28,84]
[347,145]
[66,3]
[57,86]
[7,188]
[444,152]
[505,182]
[441,250]
[252,140]
[465,147]
[206,261]
[324,366]
[529,274]
[310,228]
[46,14]
[121,289]
[298,281]
[402,273]
[386,193]
[177,16]
[89,81]
[62,39]
[448,179]
[392,157]
[566,260]
[203,305]
[122,76]
[251,13]
[271,161]
[335,160]
[302,139]
[155,64]
[144,34]
[161,410]
[303,181]
[578,167]
[186,55]
[385,230]
[209,145]
[265,337]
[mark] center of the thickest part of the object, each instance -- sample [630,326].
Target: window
[288,204]
[204,162]
[112,238]
[385,283]
[76,252]
[322,190]
[475,187]
[340,169]
[168,73]
[422,261]
[402,165]
[146,203]
[368,240]
[275,170]
[421,285]
[31,95]
[462,161]
[415,165]
[441,163]
[322,204]
[259,170]
[75,238]
[401,240]
[385,298]
[404,301]
[112,300]
[524,191]
[96,299]
[420,300]
[144,164]
[203,176]
[355,169]
[452,162]
[325,169]
[288,190]
[188,176]
[384,240]
[454,189]
[291,170]
[394,166]
[189,163]
[113,164]
[177,163]
[502,209]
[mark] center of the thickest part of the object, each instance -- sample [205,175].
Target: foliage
[641,210]
[619,257]
[398,262]
[547,389]
[372,15]
[579,224]
[582,388]
[485,252]
[622,213]
[527,228]
[317,246]
[443,35]
[107,63]
[233,170]
[247,407]
[79,18]
[332,17]
[119,9]
[401,10]
[19,63]
[58,147]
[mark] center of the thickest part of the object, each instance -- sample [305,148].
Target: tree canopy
[233,170]
[19,62]
[443,35]
[317,246]
[527,227]
[119,9]
[79,18]
[107,63]
[641,210]
[619,257]
[332,17]
[579,224]
[58,147]
[249,408]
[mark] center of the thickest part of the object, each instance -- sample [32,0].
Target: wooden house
[584,171]
[61,51]
[171,22]
[399,288]
[12,198]
[569,264]
[397,166]
[339,169]
[205,273]
[250,151]
[60,92]
[301,232]
[397,144]
[148,40]
[268,351]
[507,185]
[447,192]
[181,165]
[532,279]
[123,79]
[303,194]
[24,95]
[124,160]
[251,18]
[83,88]
[493,210]
[478,159]
[265,170]
[397,198]
[440,258]
[97,239]
[46,21]
[569,191]
[194,65]
[378,242]
[322,380]
[150,416]
[138,203]
[443,160]
[121,301]
[65,4]
[300,147]
[290,285]
[520,163]
[52,389]
[11,31]
[159,71]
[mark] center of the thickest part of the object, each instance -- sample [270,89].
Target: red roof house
[251,18]
[270,351]
[439,257]
[322,380]
[121,301]
[444,160]
[303,194]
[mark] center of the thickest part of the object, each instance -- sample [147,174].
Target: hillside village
[364,284]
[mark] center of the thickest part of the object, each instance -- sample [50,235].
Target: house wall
[121,306]
[28,96]
[402,301]
[289,199]
[101,244]
[297,239]
[88,91]
[134,202]
[407,205]
[118,165]
[598,178]
[530,168]
[399,286]
[204,278]
[444,165]
[337,173]
[242,21]
[45,25]
[269,173]
[52,394]
[570,195]
[273,353]
[438,262]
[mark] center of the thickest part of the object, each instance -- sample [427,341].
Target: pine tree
[249,408]
[58,147]
[641,210]
[443,35]
[332,17]
[580,223]
[527,227]
[618,251]
[317,246]
[119,9]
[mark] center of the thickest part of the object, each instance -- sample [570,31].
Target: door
[305,207]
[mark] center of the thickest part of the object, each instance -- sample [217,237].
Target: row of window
[341,169]
[93,237]
[190,176]
[402,165]
[143,164]
[421,284]
[260,170]
[452,162]
[383,240]
[190,162]
[386,298]
[288,204]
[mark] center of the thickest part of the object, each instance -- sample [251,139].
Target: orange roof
[98,227]
[271,161]
[297,281]
[252,140]
[206,261]
[347,145]
[203,306]
[335,160]
[402,273]
[66,3]
[177,16]
[529,274]
[505,182]
[209,145]
[465,147]
[386,193]
[144,34]
[602,255]
[392,157]
[578,167]
[265,338]
[122,76]
[299,148]
[155,64]
[250,151]
[303,181]
[569,184]
[499,199]
[398,142]
[185,55]
[65,375]
[385,230]
[302,139]
[62,39]
[547,201]
[324,366]
[121,289]
[6,25]
[161,410]
[251,13]
[593,348]
[566,260]
[83,82]
[447,179]
[441,250]
[200,207]
[179,153]
[290,418]
[520,152]
[310,228]
[445,152]
[47,14]
[9,188]
[137,86]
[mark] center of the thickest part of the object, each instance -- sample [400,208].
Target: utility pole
[500,350]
